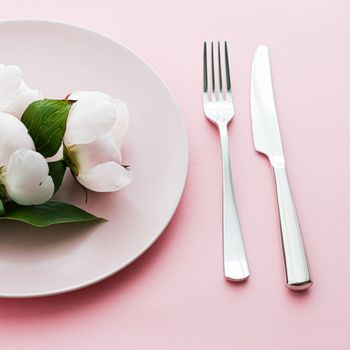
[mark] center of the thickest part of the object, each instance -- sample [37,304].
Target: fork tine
[227,70]
[219,65]
[212,70]
[205,68]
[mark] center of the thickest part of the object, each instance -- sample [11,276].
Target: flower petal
[89,97]
[88,155]
[105,177]
[121,125]
[13,136]
[10,81]
[25,96]
[92,116]
[27,181]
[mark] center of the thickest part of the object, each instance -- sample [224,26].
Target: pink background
[174,296]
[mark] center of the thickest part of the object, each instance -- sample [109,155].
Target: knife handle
[295,259]
[235,260]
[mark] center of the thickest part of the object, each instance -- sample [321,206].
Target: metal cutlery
[267,140]
[218,108]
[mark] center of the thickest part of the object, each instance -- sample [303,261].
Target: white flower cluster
[95,129]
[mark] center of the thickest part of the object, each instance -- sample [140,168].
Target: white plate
[58,59]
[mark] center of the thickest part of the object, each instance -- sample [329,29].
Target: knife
[267,140]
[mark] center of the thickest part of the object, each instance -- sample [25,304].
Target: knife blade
[266,134]
[267,140]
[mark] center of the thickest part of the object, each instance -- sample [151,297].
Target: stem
[2,209]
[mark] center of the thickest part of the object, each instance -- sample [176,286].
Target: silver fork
[218,108]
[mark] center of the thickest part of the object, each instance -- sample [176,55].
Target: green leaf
[46,214]
[57,170]
[46,123]
[2,209]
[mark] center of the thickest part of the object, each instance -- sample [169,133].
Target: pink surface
[175,297]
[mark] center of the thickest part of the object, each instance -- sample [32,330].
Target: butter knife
[267,140]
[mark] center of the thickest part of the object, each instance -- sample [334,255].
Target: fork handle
[235,260]
[295,259]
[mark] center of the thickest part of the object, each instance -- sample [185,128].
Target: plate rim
[112,272]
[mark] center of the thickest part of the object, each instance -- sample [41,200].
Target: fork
[218,108]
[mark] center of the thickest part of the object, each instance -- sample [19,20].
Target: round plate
[59,58]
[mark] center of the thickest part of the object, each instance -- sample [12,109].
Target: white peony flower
[23,172]
[15,95]
[27,179]
[94,134]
